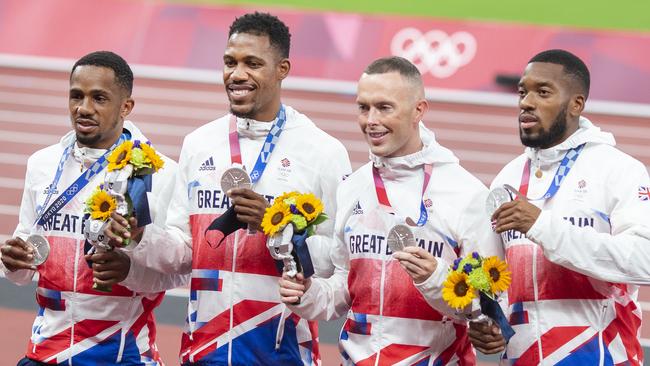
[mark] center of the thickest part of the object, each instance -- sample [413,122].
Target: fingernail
[30,257]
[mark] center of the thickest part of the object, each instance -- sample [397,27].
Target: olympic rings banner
[450,54]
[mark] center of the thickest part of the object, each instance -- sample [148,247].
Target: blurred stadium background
[469,52]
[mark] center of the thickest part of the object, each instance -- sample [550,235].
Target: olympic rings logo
[435,51]
[72,190]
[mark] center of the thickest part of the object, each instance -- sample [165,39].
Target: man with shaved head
[577,238]
[401,221]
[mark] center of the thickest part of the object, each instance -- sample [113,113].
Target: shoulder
[206,133]
[511,172]
[46,156]
[354,183]
[455,178]
[610,157]
[304,128]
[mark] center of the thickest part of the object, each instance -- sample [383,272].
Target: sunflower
[457,291]
[120,156]
[100,205]
[275,218]
[309,206]
[286,195]
[152,155]
[499,274]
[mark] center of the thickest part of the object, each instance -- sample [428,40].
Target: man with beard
[76,324]
[235,316]
[577,236]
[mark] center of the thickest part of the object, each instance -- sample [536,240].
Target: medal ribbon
[265,153]
[45,215]
[562,171]
[382,197]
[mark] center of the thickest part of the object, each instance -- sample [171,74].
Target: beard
[550,137]
[249,114]
[88,140]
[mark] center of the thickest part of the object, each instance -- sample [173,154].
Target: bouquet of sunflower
[303,210]
[125,187]
[142,157]
[475,278]
[130,166]
[288,222]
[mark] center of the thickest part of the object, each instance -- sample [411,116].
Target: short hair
[121,69]
[264,24]
[394,64]
[573,66]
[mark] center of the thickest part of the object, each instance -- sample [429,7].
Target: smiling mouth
[239,91]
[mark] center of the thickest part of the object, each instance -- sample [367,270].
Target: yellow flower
[101,205]
[275,218]
[150,152]
[120,156]
[309,206]
[499,274]
[457,291]
[286,195]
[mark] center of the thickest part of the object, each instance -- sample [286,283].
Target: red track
[33,114]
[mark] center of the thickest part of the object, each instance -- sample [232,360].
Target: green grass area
[622,14]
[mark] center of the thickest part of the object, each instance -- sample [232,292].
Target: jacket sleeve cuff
[537,232]
[432,286]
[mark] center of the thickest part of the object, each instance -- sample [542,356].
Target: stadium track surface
[34,114]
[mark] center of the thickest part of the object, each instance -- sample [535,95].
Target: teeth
[240,92]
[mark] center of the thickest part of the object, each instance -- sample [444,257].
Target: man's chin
[242,111]
[87,140]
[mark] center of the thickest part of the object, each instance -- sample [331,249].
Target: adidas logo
[207,165]
[357,210]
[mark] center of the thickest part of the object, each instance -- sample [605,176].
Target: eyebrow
[538,84]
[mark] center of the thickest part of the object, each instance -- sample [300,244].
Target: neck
[270,114]
[412,146]
[571,129]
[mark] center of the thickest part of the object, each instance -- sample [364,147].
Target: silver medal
[400,236]
[496,198]
[235,178]
[41,248]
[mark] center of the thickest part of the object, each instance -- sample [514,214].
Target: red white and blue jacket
[77,325]
[573,298]
[390,320]
[234,306]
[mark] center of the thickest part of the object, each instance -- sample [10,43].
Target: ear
[577,105]
[283,68]
[127,107]
[421,107]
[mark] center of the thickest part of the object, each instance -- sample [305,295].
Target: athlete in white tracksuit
[573,297]
[391,321]
[577,238]
[234,307]
[77,325]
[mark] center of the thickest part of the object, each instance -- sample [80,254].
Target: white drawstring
[280,332]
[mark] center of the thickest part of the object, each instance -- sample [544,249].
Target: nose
[84,108]
[373,116]
[239,72]
[526,102]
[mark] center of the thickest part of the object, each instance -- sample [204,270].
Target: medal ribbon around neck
[562,171]
[384,203]
[44,215]
[267,148]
